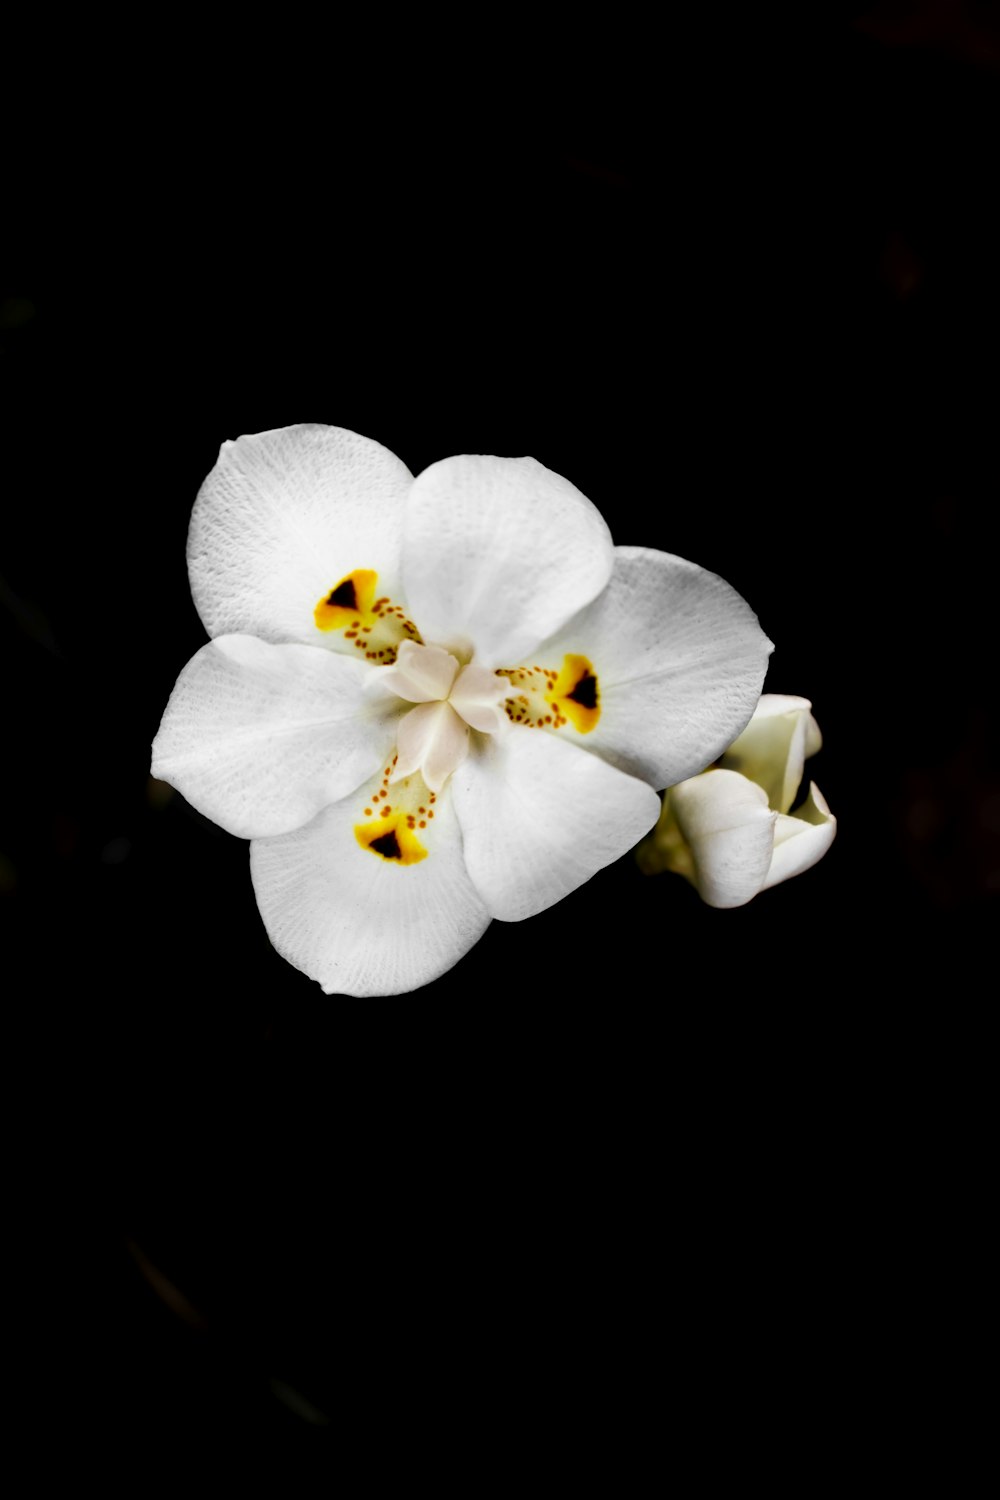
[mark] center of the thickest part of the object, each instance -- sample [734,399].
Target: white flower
[729,830]
[430,702]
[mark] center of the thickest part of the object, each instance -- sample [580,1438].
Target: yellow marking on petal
[391,834]
[348,603]
[547,699]
[375,627]
[575,695]
[393,841]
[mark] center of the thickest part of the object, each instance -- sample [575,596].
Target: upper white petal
[727,825]
[499,553]
[358,924]
[539,816]
[680,660]
[282,518]
[802,839]
[260,737]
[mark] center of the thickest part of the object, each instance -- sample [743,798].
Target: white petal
[421,674]
[802,839]
[679,659]
[540,816]
[773,747]
[498,553]
[432,740]
[478,695]
[358,924]
[282,518]
[260,737]
[727,825]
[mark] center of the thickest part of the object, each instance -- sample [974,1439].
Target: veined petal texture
[260,737]
[282,517]
[358,924]
[680,659]
[539,816]
[498,553]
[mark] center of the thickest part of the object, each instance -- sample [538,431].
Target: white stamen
[434,736]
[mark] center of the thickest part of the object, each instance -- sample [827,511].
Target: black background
[743,292]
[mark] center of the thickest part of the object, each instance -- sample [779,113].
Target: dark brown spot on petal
[585,692]
[387,844]
[345,595]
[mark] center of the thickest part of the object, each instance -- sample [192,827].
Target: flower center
[450,700]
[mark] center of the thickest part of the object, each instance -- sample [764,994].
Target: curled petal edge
[801,838]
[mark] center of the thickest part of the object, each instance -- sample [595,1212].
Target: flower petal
[773,747]
[260,737]
[360,924]
[726,823]
[540,816]
[499,553]
[679,659]
[282,518]
[800,840]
